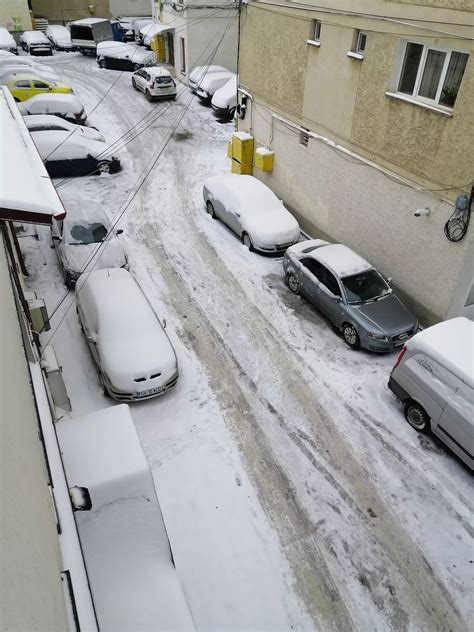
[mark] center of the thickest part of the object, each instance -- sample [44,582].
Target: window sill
[313,43]
[354,55]
[402,97]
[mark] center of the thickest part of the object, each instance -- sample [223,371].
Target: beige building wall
[343,99]
[63,11]
[32,597]
[15,15]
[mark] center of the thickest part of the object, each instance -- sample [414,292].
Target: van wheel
[148,96]
[210,209]
[417,416]
[351,336]
[102,63]
[103,167]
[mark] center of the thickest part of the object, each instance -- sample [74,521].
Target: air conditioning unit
[38,312]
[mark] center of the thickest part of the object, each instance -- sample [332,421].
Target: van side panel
[456,425]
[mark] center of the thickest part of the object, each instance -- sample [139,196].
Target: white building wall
[336,196]
[31,591]
[129,7]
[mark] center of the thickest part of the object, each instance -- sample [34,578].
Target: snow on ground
[294,493]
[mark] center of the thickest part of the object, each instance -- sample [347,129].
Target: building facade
[199,34]
[15,15]
[63,11]
[368,108]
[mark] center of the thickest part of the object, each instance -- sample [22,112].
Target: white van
[128,343]
[208,86]
[224,101]
[434,378]
[127,553]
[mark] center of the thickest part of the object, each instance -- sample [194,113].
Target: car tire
[103,167]
[232,114]
[210,209]
[68,281]
[417,416]
[247,241]
[293,283]
[351,337]
[148,96]
[102,63]
[17,100]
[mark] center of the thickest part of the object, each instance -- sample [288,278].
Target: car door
[22,90]
[307,277]
[329,294]
[456,424]
[40,87]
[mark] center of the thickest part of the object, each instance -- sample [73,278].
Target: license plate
[151,391]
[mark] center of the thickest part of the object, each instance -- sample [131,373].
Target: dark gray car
[351,293]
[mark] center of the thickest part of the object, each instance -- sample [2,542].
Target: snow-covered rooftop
[452,344]
[341,259]
[26,191]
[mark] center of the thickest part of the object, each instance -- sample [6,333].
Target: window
[430,74]
[40,85]
[183,54]
[361,41]
[22,84]
[330,282]
[323,275]
[315,34]
[365,286]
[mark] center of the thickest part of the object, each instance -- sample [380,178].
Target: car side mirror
[119,232]
[389,280]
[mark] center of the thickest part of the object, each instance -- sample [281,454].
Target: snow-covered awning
[26,191]
[155,29]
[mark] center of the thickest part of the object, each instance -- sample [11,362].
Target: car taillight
[399,359]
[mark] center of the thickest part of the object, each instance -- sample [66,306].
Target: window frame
[420,71]
[357,48]
[316,26]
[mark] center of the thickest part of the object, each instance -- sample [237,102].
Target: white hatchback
[155,82]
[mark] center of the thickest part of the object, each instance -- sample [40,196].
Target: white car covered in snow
[67,106]
[35,43]
[133,353]
[59,36]
[224,101]
[198,74]
[82,240]
[51,123]
[208,86]
[252,211]
[122,56]
[27,64]
[7,43]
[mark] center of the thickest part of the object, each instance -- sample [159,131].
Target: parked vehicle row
[215,86]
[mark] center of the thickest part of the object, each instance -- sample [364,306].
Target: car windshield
[365,286]
[87,233]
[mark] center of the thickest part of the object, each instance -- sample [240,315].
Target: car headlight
[371,334]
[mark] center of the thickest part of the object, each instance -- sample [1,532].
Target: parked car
[66,154]
[60,37]
[7,43]
[24,86]
[433,377]
[87,33]
[76,240]
[252,211]
[6,73]
[67,106]
[224,101]
[208,86]
[137,26]
[198,74]
[51,123]
[351,293]
[129,344]
[35,43]
[118,31]
[127,24]
[155,82]
[27,64]
[122,56]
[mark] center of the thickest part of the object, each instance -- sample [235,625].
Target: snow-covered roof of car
[340,259]
[216,78]
[158,71]
[63,103]
[32,36]
[27,76]
[26,191]
[243,189]
[224,95]
[62,145]
[307,247]
[201,71]
[123,536]
[451,343]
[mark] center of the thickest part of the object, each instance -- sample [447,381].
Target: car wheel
[134,83]
[232,113]
[17,100]
[103,167]
[247,241]
[417,416]
[351,336]
[102,63]
[148,96]
[293,283]
[68,280]
[210,209]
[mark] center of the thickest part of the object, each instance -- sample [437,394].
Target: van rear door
[456,425]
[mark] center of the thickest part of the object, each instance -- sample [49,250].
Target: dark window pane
[331,284]
[22,84]
[361,41]
[41,85]
[314,267]
[432,74]
[454,75]
[410,68]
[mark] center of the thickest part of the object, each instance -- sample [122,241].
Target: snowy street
[295,494]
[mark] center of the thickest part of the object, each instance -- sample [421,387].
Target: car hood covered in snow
[45,103]
[214,81]
[77,256]
[226,97]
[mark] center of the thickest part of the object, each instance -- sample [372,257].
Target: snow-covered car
[77,239]
[59,36]
[122,56]
[7,43]
[21,69]
[224,101]
[51,123]
[252,211]
[200,72]
[27,63]
[137,26]
[66,154]
[26,85]
[35,43]
[126,23]
[351,293]
[67,106]
[135,358]
[155,82]
[208,86]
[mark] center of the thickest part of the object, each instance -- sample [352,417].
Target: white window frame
[421,69]
[316,34]
[357,49]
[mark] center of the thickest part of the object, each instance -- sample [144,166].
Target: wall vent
[304,138]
